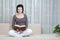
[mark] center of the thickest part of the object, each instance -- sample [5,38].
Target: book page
[19,25]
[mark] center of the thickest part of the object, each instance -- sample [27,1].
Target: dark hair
[19,5]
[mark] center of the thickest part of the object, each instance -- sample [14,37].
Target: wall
[44,12]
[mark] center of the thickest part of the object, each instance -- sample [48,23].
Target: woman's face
[19,9]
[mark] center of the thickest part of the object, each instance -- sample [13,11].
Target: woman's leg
[27,32]
[13,33]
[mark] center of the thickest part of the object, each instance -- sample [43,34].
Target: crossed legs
[19,34]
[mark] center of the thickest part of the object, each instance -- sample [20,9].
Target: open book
[19,25]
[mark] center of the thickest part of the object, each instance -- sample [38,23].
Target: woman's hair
[19,5]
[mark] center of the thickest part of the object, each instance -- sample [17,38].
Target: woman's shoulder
[14,15]
[25,14]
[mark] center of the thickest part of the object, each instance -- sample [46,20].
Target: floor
[33,37]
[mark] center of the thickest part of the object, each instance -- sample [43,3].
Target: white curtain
[44,12]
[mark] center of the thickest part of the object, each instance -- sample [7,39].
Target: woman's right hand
[17,30]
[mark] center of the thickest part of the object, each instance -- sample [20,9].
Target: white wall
[44,12]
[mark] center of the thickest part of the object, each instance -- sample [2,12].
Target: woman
[20,23]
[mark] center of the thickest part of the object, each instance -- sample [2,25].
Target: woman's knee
[29,31]
[11,32]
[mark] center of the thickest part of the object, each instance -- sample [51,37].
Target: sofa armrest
[5,27]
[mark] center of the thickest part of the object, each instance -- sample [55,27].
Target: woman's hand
[17,30]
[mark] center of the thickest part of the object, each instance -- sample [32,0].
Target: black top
[20,21]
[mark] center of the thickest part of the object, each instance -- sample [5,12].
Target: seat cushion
[36,28]
[5,27]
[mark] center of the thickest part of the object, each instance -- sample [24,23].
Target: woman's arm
[26,23]
[13,21]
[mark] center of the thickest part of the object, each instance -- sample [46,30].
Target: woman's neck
[19,13]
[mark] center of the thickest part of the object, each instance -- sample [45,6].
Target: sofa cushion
[36,28]
[5,27]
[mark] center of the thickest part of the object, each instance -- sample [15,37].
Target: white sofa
[36,28]
[5,27]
